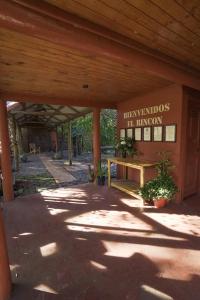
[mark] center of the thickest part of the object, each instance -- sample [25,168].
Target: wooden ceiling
[171,27]
[37,67]
[38,64]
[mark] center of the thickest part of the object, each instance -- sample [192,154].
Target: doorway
[192,174]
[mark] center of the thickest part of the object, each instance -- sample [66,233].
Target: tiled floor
[88,242]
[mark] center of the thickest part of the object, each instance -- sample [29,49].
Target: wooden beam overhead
[42,113]
[58,101]
[72,108]
[59,29]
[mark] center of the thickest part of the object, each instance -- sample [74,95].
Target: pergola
[31,115]
[92,54]
[45,114]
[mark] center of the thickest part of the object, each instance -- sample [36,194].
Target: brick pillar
[5,154]
[5,278]
[96,138]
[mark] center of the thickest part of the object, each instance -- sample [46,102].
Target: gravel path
[41,172]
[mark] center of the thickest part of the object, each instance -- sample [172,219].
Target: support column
[15,142]
[5,154]
[5,277]
[62,141]
[96,139]
[70,143]
[54,140]
[20,140]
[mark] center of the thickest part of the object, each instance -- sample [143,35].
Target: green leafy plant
[164,165]
[101,171]
[159,187]
[163,185]
[147,192]
[101,174]
[126,146]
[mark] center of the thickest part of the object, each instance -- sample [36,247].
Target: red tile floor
[88,243]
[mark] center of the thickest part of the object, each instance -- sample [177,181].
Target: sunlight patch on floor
[109,218]
[118,249]
[186,224]
[149,292]
[174,274]
[98,266]
[64,193]
[56,211]
[132,202]
[169,262]
[148,235]
[14,267]
[26,233]
[48,249]
[45,288]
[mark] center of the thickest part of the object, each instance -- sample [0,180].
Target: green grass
[35,183]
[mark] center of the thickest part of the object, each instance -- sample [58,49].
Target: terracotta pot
[161,202]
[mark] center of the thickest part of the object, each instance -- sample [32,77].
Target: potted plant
[126,146]
[161,189]
[164,190]
[147,192]
[101,174]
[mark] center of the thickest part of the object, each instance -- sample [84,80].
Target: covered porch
[85,242]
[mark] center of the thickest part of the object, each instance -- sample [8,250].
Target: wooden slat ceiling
[171,27]
[37,67]
[45,114]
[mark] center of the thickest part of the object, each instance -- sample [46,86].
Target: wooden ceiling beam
[41,113]
[59,29]
[72,108]
[56,101]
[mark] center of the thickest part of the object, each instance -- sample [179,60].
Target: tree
[83,126]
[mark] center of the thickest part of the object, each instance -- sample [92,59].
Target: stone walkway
[42,172]
[93,243]
[58,171]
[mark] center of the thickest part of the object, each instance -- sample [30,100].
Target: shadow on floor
[84,243]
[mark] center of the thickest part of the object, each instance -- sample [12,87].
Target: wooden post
[58,144]
[5,278]
[19,139]
[142,177]
[109,173]
[70,143]
[6,166]
[96,139]
[54,140]
[15,142]
[62,141]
